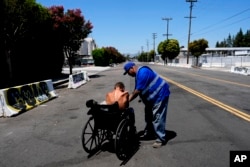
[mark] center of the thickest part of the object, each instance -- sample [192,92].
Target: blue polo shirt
[153,88]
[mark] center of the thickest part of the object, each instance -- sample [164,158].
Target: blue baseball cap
[127,66]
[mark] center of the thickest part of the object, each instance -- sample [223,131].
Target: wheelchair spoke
[121,141]
[91,136]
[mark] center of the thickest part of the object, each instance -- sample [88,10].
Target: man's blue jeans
[155,117]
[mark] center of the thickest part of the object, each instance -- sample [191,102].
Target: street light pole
[189,29]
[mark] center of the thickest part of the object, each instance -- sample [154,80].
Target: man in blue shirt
[154,92]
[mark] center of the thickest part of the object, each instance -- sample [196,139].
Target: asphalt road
[205,122]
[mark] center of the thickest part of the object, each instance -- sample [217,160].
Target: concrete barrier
[18,99]
[241,70]
[78,79]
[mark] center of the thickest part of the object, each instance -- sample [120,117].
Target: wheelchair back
[105,116]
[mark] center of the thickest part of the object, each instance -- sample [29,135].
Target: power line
[219,22]
[212,27]
[222,27]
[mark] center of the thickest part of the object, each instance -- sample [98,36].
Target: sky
[129,26]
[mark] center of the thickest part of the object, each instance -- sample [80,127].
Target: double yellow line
[213,101]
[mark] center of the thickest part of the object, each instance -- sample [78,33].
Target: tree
[162,50]
[143,57]
[71,28]
[217,44]
[239,39]
[197,48]
[169,49]
[32,32]
[112,55]
[107,55]
[98,56]
[20,20]
[247,38]
[229,41]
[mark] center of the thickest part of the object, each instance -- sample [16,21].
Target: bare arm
[133,95]
[108,99]
[123,100]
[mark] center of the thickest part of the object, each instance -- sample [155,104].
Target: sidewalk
[91,70]
[224,69]
[64,78]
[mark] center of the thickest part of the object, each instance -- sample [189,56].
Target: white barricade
[25,97]
[78,79]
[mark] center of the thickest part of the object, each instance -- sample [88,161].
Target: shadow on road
[169,135]
[109,146]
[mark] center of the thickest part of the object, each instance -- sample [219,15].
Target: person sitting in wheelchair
[118,94]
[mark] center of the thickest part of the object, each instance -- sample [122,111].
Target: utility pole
[154,36]
[142,53]
[147,51]
[167,19]
[189,29]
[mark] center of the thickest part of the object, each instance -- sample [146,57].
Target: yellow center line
[213,101]
[234,83]
[216,79]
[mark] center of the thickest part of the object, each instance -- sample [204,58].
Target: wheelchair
[108,123]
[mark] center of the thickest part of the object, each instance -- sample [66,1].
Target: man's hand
[134,95]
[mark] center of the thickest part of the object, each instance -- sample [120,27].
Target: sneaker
[157,144]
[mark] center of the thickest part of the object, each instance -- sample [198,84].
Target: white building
[87,46]
[223,51]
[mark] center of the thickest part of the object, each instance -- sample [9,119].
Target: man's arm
[133,95]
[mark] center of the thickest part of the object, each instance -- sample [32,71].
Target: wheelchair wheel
[122,140]
[92,137]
